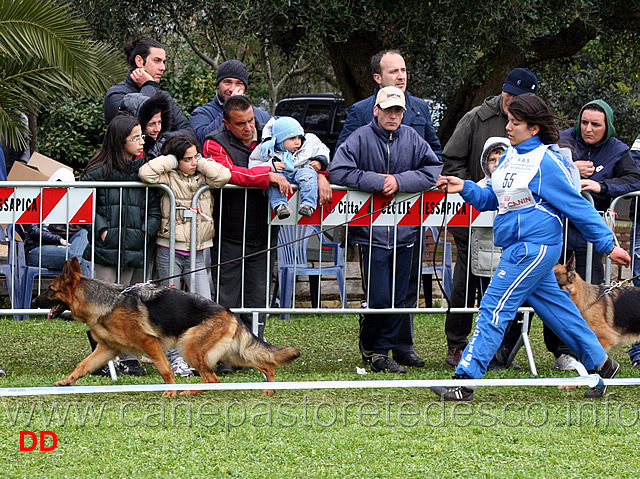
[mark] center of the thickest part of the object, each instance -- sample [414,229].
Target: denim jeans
[52,256]
[307,180]
[182,265]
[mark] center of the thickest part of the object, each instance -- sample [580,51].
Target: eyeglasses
[137,139]
[189,159]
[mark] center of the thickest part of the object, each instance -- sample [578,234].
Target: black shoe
[453,393]
[131,367]
[409,359]
[384,363]
[225,369]
[283,211]
[606,371]
[2,373]
[103,371]
[367,357]
[636,364]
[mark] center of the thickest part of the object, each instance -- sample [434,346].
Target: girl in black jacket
[127,218]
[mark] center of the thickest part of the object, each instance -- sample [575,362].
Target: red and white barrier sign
[46,205]
[405,209]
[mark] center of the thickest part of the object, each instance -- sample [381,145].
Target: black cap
[519,81]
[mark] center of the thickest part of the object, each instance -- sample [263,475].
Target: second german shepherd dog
[153,319]
[613,315]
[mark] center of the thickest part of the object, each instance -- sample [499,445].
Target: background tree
[46,52]
[458,52]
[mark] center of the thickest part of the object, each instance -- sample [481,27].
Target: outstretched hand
[451,184]
[620,256]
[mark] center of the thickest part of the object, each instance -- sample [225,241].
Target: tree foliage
[45,53]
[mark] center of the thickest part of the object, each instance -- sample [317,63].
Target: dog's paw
[269,392]
[64,382]
[169,394]
[191,393]
[568,387]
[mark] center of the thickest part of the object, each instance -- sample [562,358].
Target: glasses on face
[137,139]
[189,159]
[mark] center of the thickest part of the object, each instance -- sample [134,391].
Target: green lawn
[358,433]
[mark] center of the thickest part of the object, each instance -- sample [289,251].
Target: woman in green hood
[607,171]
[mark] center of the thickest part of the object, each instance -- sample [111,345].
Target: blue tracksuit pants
[526,273]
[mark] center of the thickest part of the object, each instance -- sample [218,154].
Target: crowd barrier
[432,213]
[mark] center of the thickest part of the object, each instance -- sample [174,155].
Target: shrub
[71,130]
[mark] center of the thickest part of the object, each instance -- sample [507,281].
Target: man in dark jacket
[147,58]
[244,225]
[461,158]
[385,157]
[388,69]
[232,79]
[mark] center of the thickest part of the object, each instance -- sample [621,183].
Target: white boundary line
[590,381]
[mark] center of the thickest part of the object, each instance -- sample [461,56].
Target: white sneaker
[565,363]
[181,367]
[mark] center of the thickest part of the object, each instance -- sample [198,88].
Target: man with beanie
[232,79]
[147,58]
[388,69]
[385,157]
[460,158]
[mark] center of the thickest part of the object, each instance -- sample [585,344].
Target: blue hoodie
[555,198]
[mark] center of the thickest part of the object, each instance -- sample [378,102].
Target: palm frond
[45,52]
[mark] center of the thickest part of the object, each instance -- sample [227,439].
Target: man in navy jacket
[385,157]
[389,69]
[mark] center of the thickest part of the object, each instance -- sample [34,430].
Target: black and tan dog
[153,319]
[612,313]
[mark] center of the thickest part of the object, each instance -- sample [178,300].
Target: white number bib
[511,179]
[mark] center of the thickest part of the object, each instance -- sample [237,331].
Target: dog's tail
[253,351]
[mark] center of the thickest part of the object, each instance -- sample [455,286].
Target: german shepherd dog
[153,319]
[612,313]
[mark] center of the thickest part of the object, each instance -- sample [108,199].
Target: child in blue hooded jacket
[296,156]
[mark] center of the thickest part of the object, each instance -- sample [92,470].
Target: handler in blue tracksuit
[533,188]
[387,157]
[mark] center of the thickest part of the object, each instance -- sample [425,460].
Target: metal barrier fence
[431,214]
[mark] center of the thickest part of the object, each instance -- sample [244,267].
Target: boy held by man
[296,156]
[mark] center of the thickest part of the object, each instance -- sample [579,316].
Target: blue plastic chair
[292,262]
[28,273]
[442,269]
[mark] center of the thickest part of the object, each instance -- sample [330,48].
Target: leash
[316,233]
[444,252]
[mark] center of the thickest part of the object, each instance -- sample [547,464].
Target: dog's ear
[571,264]
[72,266]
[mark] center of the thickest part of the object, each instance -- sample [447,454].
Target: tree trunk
[351,61]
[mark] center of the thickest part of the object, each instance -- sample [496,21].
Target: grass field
[507,432]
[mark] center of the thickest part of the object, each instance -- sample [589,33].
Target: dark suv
[320,113]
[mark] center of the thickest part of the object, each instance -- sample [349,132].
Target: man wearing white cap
[385,157]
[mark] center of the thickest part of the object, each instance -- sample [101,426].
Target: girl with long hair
[126,219]
[534,187]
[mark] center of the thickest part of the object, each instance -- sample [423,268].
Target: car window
[318,118]
[291,108]
[341,116]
